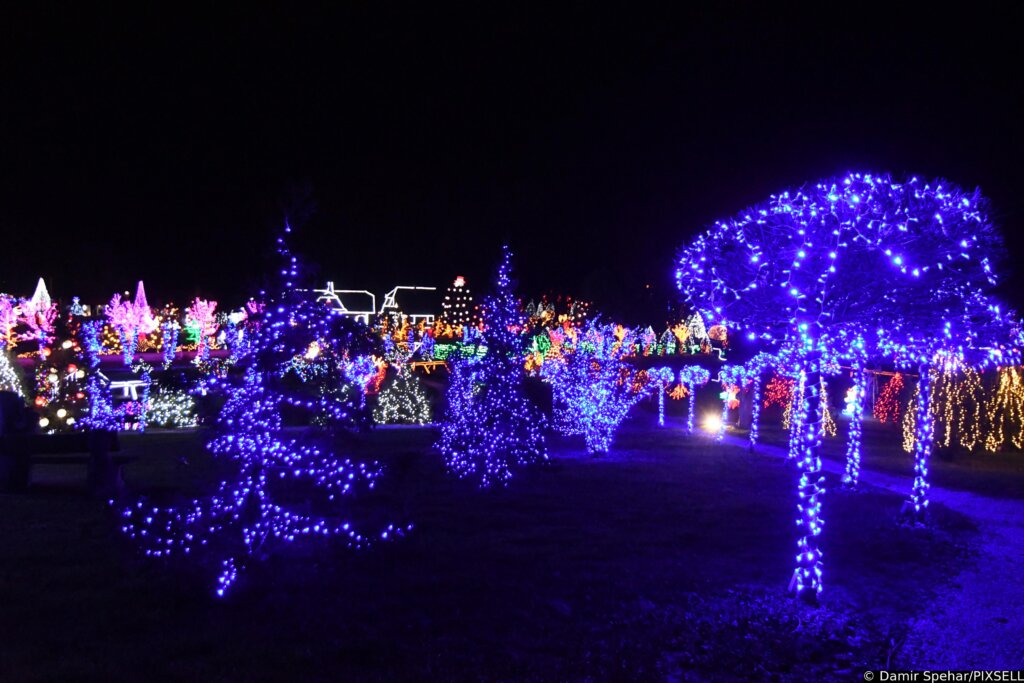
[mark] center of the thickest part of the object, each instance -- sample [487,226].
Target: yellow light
[44,422]
[66,344]
[712,423]
[62,413]
[70,420]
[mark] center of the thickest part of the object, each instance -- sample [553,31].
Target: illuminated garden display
[491,426]
[254,508]
[792,274]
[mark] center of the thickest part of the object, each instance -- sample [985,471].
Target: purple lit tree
[131,319]
[491,426]
[279,488]
[809,269]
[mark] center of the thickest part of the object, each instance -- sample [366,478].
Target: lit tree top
[10,311]
[201,313]
[842,255]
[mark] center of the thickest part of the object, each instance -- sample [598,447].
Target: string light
[887,406]
[661,378]
[691,377]
[172,408]
[755,368]
[403,401]
[1006,410]
[732,378]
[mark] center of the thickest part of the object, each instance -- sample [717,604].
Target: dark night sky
[161,146]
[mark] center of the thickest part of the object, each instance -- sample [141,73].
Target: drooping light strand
[1006,410]
[661,378]
[756,367]
[693,376]
[887,406]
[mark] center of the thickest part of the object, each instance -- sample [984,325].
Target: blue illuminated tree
[811,269]
[491,426]
[594,387]
[279,488]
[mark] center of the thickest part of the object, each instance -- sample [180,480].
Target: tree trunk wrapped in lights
[917,505]
[851,474]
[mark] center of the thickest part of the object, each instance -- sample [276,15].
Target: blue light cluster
[594,387]
[863,268]
[491,426]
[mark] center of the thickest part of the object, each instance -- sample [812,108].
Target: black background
[164,145]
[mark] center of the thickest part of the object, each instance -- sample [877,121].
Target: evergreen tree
[491,426]
[279,487]
[403,401]
[458,307]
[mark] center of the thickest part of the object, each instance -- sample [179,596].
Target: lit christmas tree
[492,428]
[170,407]
[458,307]
[280,488]
[10,377]
[403,401]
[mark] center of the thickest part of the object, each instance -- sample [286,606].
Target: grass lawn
[668,560]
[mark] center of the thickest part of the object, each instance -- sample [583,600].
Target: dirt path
[977,622]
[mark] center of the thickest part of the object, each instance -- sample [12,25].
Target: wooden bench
[93,449]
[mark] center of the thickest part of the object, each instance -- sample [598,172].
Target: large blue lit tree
[491,426]
[909,263]
[278,488]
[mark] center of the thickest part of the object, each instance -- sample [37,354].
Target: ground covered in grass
[667,561]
